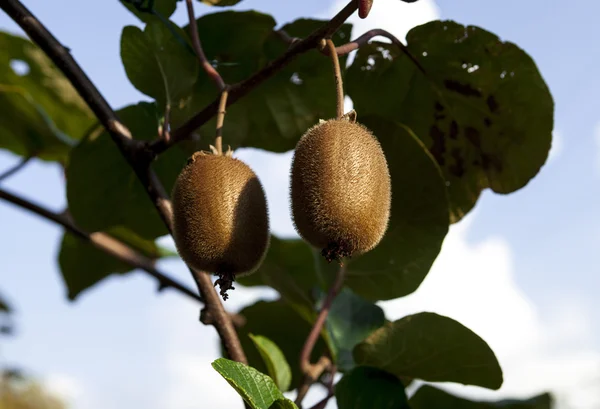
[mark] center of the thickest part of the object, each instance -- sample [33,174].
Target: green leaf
[428,397]
[33,89]
[288,268]
[483,109]
[285,327]
[433,348]
[29,132]
[275,114]
[164,7]
[102,189]
[370,388]
[83,265]
[277,365]
[157,63]
[283,404]
[351,319]
[257,389]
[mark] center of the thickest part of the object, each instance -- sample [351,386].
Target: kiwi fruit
[220,217]
[340,188]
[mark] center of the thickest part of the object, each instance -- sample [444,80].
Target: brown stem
[208,68]
[220,119]
[313,371]
[337,73]
[241,89]
[366,37]
[135,152]
[102,241]
[8,173]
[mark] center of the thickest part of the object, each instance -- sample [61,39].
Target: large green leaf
[428,397]
[370,388]
[285,327]
[277,365]
[276,113]
[83,265]
[351,319]
[433,348]
[102,189]
[164,7]
[25,129]
[157,63]
[288,268]
[483,109]
[398,265]
[25,69]
[257,389]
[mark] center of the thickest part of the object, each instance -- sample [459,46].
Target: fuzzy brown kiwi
[220,217]
[340,188]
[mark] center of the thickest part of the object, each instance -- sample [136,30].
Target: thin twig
[313,374]
[366,37]
[220,119]
[313,371]
[208,68]
[337,73]
[241,89]
[134,152]
[8,173]
[103,242]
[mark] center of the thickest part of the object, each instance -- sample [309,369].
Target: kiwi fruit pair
[220,217]
[340,188]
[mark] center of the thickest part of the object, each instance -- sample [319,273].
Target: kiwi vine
[341,188]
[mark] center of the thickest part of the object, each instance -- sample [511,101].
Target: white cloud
[474,284]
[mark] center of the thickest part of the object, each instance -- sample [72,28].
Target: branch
[134,151]
[241,89]
[210,70]
[8,173]
[103,242]
[313,371]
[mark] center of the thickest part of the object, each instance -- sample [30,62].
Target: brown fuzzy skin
[341,189]
[220,216]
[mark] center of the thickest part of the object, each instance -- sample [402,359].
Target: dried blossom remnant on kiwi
[220,219]
[341,188]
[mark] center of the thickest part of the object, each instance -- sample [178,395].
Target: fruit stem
[313,371]
[338,78]
[220,118]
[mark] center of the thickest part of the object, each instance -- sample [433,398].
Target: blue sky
[520,270]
